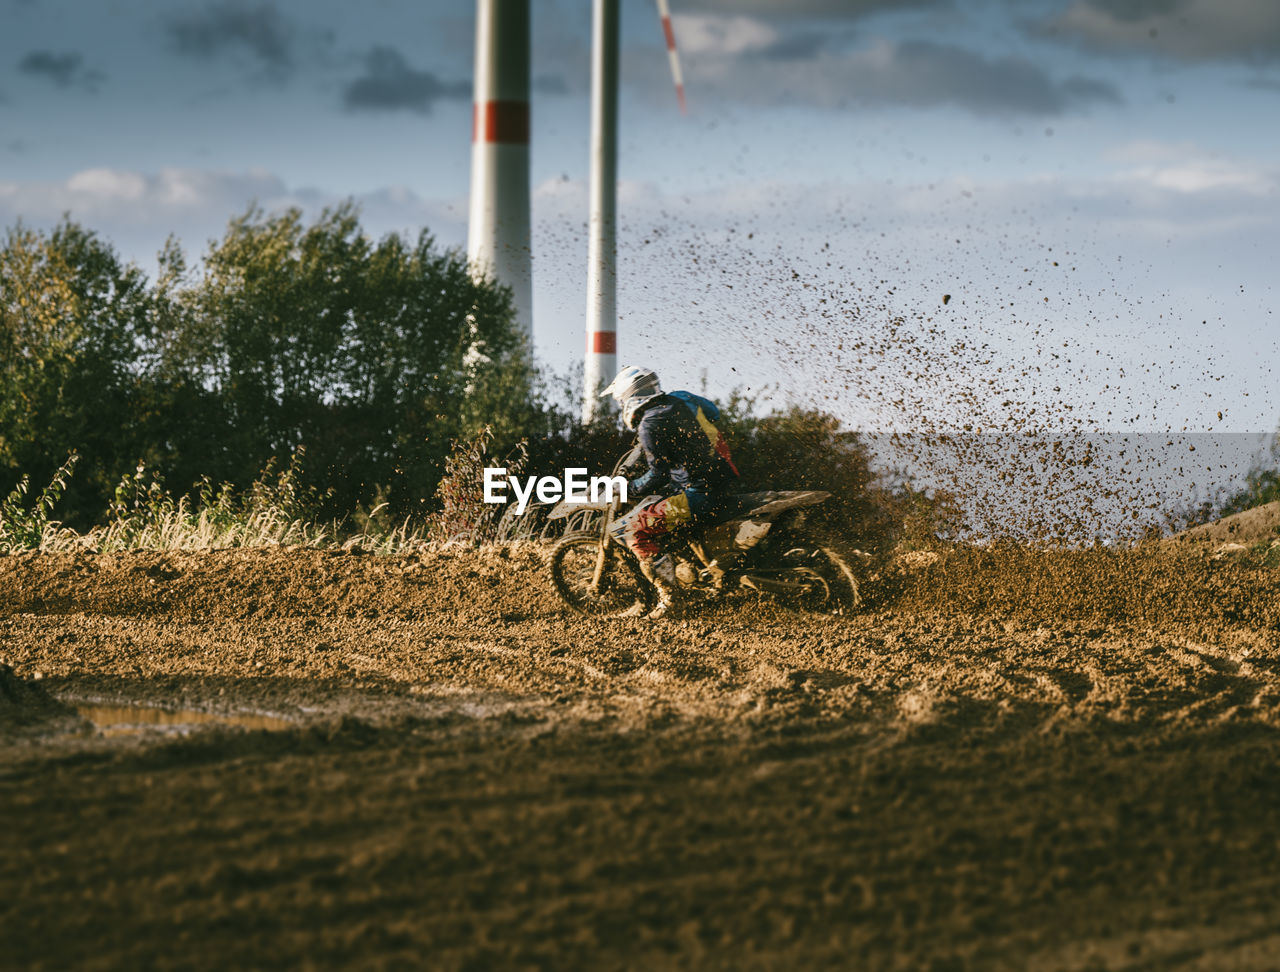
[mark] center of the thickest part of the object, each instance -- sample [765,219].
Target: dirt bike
[768,542]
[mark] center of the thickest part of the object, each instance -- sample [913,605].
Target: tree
[372,355]
[73,321]
[1262,485]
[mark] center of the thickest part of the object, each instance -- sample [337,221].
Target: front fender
[564,508]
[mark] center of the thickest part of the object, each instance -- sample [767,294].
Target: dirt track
[1014,760]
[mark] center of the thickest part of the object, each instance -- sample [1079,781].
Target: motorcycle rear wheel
[838,591]
[573,564]
[843,595]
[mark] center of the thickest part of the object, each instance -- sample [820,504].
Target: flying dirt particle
[946,298]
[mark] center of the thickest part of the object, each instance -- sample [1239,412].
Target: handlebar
[631,458]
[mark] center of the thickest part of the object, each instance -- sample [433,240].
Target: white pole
[602,249]
[498,236]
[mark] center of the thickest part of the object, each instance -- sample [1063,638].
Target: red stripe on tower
[664,14]
[501,121]
[602,342]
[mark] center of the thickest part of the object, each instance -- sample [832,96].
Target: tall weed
[25,527]
[464,516]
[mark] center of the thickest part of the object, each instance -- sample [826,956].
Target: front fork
[602,552]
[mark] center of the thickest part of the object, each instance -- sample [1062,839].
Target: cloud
[783,267]
[702,35]
[924,73]
[233,26]
[137,211]
[1192,30]
[844,9]
[64,69]
[137,197]
[1090,89]
[746,59]
[1184,169]
[699,36]
[551,84]
[1164,191]
[389,84]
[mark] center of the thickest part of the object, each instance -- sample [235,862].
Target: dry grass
[275,511]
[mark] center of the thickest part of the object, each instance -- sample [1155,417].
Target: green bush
[374,355]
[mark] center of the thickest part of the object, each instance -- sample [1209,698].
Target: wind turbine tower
[602,224]
[601,362]
[498,237]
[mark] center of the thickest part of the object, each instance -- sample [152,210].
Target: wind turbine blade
[664,12]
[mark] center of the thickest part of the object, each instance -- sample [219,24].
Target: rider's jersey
[685,450]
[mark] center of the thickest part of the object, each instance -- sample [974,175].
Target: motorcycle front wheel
[621,586]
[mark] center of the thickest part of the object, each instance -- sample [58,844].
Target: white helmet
[632,387]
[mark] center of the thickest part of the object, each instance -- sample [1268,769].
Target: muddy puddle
[125,720]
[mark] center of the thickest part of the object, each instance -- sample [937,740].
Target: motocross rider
[689,465]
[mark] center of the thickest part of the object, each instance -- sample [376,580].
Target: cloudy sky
[920,213]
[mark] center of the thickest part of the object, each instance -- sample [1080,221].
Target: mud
[1012,759]
[113,720]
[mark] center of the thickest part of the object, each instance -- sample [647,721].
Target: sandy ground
[1251,526]
[1011,760]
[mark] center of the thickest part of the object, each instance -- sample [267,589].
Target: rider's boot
[668,593]
[711,569]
